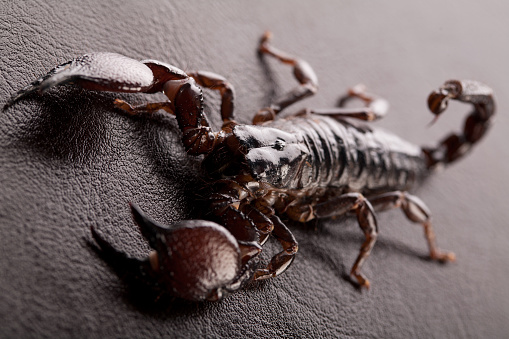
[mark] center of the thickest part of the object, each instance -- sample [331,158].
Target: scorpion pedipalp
[192,259]
[95,71]
[195,258]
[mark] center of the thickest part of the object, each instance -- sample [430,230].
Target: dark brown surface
[68,161]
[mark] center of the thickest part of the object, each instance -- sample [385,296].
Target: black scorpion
[312,164]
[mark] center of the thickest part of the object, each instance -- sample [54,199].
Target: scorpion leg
[216,82]
[225,206]
[249,223]
[264,225]
[376,107]
[147,108]
[354,202]
[308,82]
[416,211]
[281,261]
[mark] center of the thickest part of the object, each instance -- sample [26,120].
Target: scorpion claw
[149,229]
[194,259]
[124,265]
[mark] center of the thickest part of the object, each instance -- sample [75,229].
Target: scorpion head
[272,155]
[194,259]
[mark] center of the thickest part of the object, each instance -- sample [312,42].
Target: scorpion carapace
[315,163]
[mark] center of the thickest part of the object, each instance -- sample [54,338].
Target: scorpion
[315,163]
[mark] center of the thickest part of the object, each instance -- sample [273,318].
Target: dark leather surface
[68,161]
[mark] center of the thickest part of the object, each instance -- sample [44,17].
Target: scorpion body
[316,163]
[322,152]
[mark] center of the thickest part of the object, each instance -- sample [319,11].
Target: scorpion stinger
[311,164]
[454,146]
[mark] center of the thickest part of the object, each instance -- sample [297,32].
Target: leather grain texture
[69,161]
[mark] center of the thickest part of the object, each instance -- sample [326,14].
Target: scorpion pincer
[315,163]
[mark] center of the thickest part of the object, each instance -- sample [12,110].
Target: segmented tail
[455,145]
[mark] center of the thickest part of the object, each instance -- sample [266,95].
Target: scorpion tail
[455,145]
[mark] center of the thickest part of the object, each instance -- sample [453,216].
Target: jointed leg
[281,261]
[376,107]
[216,82]
[225,203]
[302,72]
[251,226]
[354,202]
[144,108]
[186,102]
[416,211]
[264,225]
[202,78]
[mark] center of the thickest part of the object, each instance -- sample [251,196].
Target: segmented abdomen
[325,152]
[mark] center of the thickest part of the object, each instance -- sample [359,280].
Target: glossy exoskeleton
[313,164]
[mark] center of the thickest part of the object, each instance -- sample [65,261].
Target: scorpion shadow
[349,239]
[270,83]
[148,296]
[66,124]
[74,125]
[143,294]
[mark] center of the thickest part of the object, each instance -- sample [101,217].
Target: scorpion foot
[262,274]
[124,106]
[443,256]
[358,90]
[266,37]
[361,280]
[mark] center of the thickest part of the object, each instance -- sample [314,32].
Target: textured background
[68,161]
